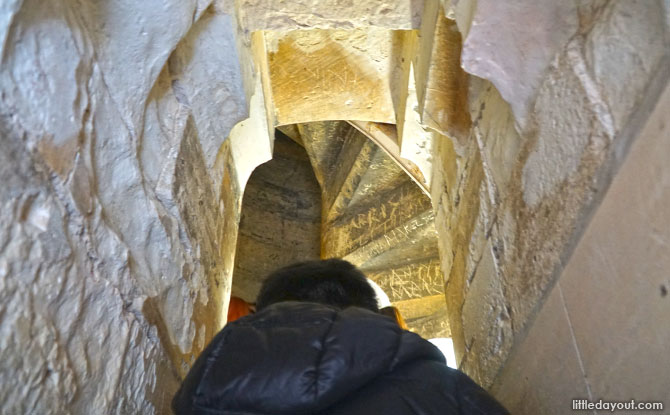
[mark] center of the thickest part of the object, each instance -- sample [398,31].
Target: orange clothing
[238,308]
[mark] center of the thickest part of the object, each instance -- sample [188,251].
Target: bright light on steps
[446,346]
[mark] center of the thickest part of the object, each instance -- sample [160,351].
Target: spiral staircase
[375,216]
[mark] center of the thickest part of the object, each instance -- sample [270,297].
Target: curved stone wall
[111,225]
[280,219]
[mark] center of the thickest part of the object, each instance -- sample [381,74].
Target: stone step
[419,307]
[375,216]
[408,233]
[421,246]
[393,212]
[382,175]
[418,279]
[323,142]
[373,173]
[426,315]
[431,326]
[352,164]
[350,168]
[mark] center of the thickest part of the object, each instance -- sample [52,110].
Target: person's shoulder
[475,399]
[431,371]
[437,381]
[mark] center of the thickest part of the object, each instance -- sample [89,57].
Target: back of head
[332,282]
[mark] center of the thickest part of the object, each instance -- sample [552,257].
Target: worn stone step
[431,326]
[418,248]
[409,233]
[426,315]
[422,278]
[382,215]
[352,164]
[372,174]
[323,142]
[382,175]
[376,217]
[419,307]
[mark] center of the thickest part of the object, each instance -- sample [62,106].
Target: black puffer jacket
[305,358]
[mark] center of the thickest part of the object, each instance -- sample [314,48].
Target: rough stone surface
[385,136]
[563,132]
[331,75]
[497,138]
[278,15]
[418,279]
[210,84]
[415,141]
[529,191]
[112,272]
[280,218]
[359,225]
[323,142]
[486,321]
[431,326]
[121,200]
[602,332]
[379,219]
[625,48]
[385,249]
[418,307]
[503,47]
[457,185]
[441,82]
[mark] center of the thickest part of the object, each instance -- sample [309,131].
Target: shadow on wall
[281,218]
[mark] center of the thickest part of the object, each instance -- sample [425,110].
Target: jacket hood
[295,358]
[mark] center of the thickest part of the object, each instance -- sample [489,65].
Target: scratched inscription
[328,82]
[392,220]
[414,280]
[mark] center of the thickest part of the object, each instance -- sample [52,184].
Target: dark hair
[333,282]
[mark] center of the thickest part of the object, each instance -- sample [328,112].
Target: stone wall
[603,332]
[513,196]
[280,220]
[113,269]
[120,209]
[121,200]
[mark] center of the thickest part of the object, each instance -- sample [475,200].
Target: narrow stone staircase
[376,217]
